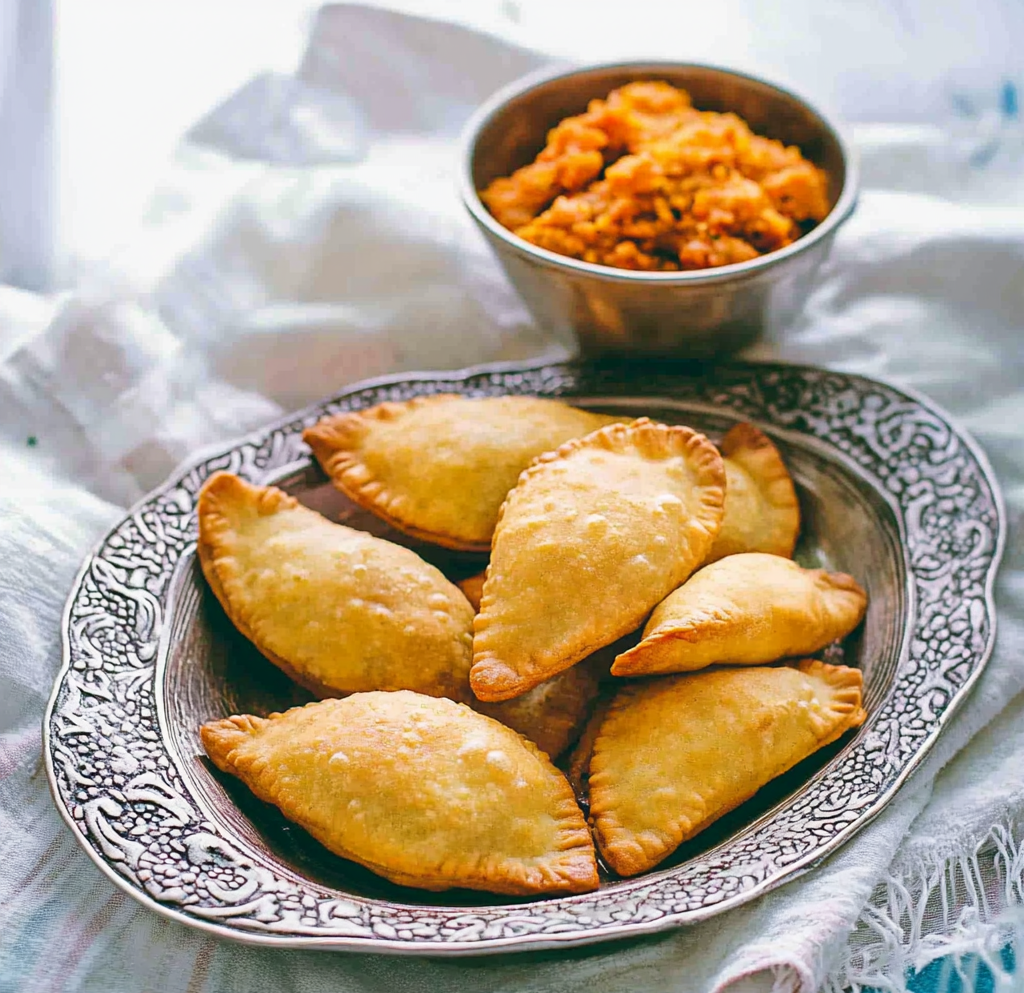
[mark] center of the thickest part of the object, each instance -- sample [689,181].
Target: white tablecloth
[306,235]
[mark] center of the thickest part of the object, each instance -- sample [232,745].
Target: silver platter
[890,491]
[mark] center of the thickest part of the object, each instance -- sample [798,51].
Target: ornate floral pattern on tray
[890,491]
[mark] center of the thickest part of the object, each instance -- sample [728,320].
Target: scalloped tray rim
[294,938]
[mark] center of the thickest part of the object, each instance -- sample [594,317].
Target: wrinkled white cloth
[308,235]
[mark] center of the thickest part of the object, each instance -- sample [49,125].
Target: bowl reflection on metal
[691,314]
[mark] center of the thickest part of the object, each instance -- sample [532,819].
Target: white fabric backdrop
[307,235]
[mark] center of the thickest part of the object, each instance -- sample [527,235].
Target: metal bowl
[694,314]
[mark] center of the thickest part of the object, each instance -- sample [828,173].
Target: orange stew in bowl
[645,181]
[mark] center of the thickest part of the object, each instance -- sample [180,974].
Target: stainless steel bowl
[695,314]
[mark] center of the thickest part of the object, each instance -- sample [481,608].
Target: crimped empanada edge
[215,525]
[617,844]
[847,712]
[570,868]
[220,738]
[846,703]
[206,551]
[208,561]
[335,442]
[642,433]
[696,628]
[749,447]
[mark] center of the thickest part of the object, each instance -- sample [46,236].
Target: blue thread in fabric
[973,976]
[1009,101]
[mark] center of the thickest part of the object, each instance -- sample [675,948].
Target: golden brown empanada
[592,537]
[762,513]
[439,467]
[745,609]
[553,713]
[472,588]
[422,791]
[337,609]
[672,755]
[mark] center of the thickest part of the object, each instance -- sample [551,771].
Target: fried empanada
[762,513]
[439,467]
[672,755]
[745,609]
[472,588]
[578,765]
[337,609]
[553,713]
[592,537]
[421,791]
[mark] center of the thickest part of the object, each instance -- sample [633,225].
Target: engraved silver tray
[890,491]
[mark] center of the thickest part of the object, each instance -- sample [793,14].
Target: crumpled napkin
[308,235]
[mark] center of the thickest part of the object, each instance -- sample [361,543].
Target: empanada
[472,588]
[592,537]
[553,713]
[762,513]
[672,755]
[745,609]
[421,791]
[337,609]
[439,467]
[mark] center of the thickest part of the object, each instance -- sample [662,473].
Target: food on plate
[553,713]
[337,609]
[762,513]
[422,791]
[472,588]
[439,467]
[643,180]
[593,536]
[592,524]
[745,609]
[673,755]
